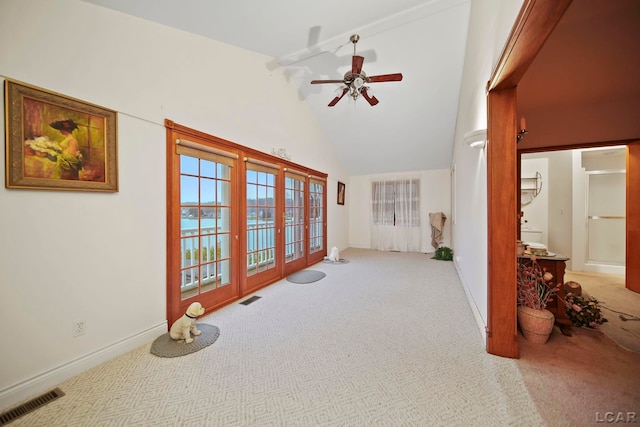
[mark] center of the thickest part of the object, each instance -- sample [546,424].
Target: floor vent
[250,300]
[30,406]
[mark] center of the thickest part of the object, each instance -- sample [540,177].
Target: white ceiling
[411,129]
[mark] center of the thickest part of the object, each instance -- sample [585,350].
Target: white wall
[536,213]
[557,190]
[435,196]
[489,27]
[101,257]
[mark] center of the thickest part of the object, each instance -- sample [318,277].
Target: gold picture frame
[54,142]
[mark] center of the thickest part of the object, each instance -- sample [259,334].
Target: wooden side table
[556,266]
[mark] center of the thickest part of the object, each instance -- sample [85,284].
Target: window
[396,202]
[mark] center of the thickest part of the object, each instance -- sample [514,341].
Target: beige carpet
[576,380]
[385,340]
[588,378]
[615,300]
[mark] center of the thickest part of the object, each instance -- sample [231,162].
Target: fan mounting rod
[354,39]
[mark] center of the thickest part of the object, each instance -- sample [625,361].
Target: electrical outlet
[79,327]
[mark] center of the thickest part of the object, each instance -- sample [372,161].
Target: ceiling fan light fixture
[354,81]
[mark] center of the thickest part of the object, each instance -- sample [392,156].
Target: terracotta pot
[536,325]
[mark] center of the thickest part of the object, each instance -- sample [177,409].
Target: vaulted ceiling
[591,57]
[412,127]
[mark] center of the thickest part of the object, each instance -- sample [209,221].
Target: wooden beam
[502,333]
[633,217]
[534,24]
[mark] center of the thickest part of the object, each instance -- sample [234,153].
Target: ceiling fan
[355,80]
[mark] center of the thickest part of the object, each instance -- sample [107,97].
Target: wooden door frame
[316,257]
[301,262]
[535,22]
[632,281]
[250,284]
[174,304]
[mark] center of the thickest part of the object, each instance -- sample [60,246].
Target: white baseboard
[44,382]
[482,327]
[605,268]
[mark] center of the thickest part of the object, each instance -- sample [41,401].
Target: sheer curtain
[395,208]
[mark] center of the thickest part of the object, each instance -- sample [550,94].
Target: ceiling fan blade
[338,98]
[315,82]
[356,64]
[385,78]
[370,99]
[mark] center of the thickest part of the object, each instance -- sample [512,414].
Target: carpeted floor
[576,380]
[387,340]
[615,300]
[587,378]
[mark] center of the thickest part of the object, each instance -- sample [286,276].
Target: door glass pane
[294,218]
[316,217]
[188,165]
[207,192]
[223,171]
[205,203]
[261,209]
[188,190]
[223,193]
[223,217]
[207,168]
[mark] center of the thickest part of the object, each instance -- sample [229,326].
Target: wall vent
[30,406]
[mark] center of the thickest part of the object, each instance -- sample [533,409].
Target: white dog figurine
[334,255]
[186,325]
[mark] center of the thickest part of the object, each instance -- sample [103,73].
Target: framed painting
[341,190]
[54,142]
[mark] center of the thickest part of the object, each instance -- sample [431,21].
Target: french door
[317,220]
[202,227]
[294,221]
[263,243]
[237,220]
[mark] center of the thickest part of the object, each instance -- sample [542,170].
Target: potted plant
[583,310]
[443,254]
[535,289]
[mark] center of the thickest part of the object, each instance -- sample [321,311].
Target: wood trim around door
[534,24]
[502,333]
[633,217]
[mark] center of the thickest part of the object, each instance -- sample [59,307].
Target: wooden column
[502,333]
[633,217]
